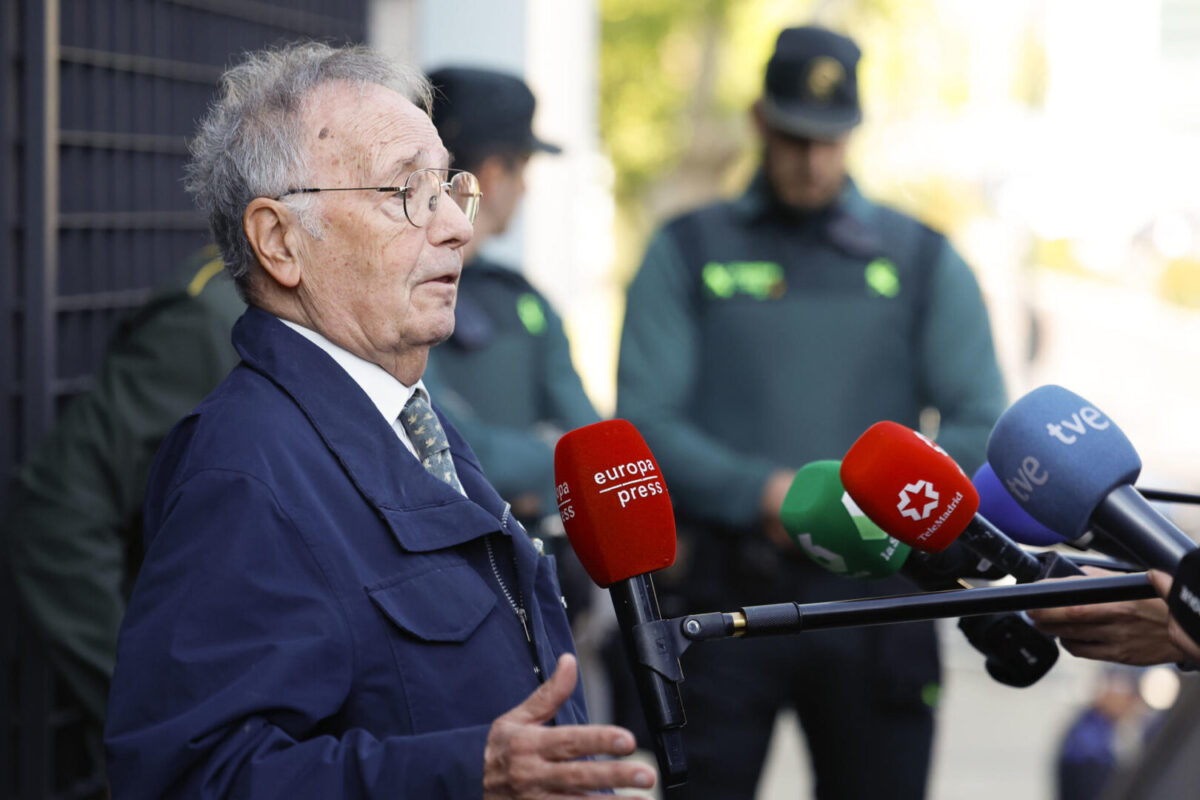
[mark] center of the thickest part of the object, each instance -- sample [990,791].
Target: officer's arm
[79,496]
[566,403]
[235,653]
[959,372]
[657,377]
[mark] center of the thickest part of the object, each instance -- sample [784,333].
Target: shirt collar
[386,393]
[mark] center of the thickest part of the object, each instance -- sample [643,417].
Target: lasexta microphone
[915,491]
[832,531]
[1069,466]
[616,511]
[828,526]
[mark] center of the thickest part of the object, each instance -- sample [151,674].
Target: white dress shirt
[388,394]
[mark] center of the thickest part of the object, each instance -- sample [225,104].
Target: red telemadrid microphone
[916,492]
[614,505]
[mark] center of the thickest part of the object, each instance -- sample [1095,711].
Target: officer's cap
[811,88]
[479,112]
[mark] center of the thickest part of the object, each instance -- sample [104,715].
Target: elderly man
[334,602]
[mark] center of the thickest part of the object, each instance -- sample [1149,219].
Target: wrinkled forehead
[368,135]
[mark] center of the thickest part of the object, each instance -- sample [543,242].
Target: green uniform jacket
[755,340]
[73,525]
[506,381]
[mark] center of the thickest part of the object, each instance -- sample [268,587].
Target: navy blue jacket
[317,616]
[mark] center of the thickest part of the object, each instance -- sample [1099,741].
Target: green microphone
[827,525]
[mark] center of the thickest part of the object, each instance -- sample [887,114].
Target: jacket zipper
[516,603]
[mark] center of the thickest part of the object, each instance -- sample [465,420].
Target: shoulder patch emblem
[531,313]
[882,278]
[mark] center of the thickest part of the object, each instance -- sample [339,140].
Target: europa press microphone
[825,523]
[614,505]
[912,489]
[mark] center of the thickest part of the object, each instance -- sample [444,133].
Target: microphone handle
[993,544]
[1165,496]
[636,603]
[1125,509]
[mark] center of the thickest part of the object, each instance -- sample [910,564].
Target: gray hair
[250,142]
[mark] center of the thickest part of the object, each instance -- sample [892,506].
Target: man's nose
[449,226]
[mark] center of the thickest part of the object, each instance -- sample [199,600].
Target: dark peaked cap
[479,111]
[811,87]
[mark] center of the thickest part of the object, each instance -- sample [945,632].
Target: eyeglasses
[421,191]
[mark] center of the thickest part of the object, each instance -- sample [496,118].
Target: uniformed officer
[73,526]
[505,377]
[767,332]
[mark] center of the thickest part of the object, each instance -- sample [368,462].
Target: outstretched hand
[525,758]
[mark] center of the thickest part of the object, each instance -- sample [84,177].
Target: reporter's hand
[1131,632]
[774,491]
[524,758]
[1162,584]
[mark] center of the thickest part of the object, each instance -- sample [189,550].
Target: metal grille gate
[97,99]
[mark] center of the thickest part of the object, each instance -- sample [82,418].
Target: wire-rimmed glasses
[421,191]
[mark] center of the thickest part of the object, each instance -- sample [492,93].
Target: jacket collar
[423,512]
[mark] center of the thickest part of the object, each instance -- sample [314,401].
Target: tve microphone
[614,505]
[1069,466]
[828,526]
[915,491]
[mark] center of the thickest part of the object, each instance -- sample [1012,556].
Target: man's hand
[1131,632]
[1162,584]
[774,491]
[526,758]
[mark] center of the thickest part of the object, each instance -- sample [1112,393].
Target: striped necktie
[429,440]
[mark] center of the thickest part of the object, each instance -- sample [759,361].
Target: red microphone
[614,504]
[909,486]
[916,492]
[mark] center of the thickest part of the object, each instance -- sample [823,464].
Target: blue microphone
[1070,467]
[998,505]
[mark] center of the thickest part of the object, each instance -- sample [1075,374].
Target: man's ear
[273,232]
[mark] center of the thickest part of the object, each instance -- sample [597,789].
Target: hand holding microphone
[1183,627]
[1070,467]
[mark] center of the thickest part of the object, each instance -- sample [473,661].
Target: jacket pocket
[443,605]
[459,654]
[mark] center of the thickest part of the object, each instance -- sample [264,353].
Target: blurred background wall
[1053,140]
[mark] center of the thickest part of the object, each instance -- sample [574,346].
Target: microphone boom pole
[660,643]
